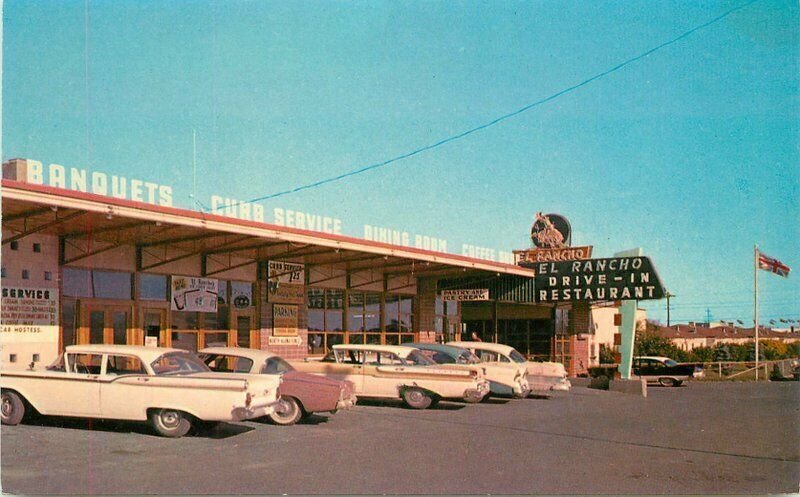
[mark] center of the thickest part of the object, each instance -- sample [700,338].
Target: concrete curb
[635,387]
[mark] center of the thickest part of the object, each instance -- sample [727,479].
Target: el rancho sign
[615,278]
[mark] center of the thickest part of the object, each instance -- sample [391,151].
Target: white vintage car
[395,371]
[507,379]
[542,376]
[171,388]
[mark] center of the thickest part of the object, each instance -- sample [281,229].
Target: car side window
[487,356]
[85,363]
[386,358]
[504,358]
[120,364]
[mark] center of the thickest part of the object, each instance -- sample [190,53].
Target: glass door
[243,323]
[106,324]
[154,326]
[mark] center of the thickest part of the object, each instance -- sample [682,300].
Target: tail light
[248,399]
[473,373]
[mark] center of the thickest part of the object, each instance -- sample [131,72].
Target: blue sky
[690,153]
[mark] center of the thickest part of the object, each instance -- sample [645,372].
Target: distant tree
[653,344]
[702,354]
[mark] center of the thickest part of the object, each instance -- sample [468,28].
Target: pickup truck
[664,371]
[171,388]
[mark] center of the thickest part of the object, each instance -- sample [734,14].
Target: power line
[503,117]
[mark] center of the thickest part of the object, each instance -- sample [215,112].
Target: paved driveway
[701,438]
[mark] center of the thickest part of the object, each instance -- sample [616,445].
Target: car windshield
[467,357]
[517,357]
[276,365]
[418,359]
[174,363]
[670,363]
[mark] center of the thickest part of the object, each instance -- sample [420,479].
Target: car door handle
[142,380]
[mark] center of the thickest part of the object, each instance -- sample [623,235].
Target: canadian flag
[772,265]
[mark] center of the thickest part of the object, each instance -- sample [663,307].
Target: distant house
[693,335]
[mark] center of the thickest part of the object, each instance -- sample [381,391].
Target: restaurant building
[125,267]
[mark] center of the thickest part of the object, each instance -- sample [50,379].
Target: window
[85,363]
[178,363]
[242,294]
[3,273]
[121,364]
[97,284]
[399,319]
[325,319]
[26,274]
[37,247]
[276,365]
[227,364]
[48,276]
[153,287]
[14,245]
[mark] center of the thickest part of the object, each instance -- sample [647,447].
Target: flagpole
[755,302]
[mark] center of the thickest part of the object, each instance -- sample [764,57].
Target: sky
[690,153]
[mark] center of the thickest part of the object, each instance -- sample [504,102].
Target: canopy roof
[112,222]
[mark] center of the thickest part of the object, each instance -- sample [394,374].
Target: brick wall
[285,351]
[426,310]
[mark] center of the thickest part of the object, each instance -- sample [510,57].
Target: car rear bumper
[257,409]
[545,383]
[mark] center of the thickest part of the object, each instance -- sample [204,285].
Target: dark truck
[665,371]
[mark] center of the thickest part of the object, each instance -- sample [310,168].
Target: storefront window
[97,284]
[355,313]
[153,287]
[185,327]
[325,317]
[68,327]
[242,294]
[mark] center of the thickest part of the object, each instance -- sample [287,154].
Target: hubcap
[286,409]
[170,419]
[415,396]
[6,408]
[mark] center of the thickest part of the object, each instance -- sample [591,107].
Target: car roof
[255,355]
[400,350]
[658,358]
[439,347]
[146,353]
[493,347]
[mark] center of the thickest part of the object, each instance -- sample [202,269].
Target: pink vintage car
[301,393]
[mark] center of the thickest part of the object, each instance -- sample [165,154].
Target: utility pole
[708,317]
[668,296]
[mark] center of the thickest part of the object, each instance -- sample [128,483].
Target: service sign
[194,294]
[284,320]
[616,278]
[29,315]
[286,282]
[466,294]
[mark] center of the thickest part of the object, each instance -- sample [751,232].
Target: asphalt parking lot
[717,438]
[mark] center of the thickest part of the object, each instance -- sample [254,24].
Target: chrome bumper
[255,410]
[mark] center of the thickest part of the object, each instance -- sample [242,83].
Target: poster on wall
[29,315]
[194,294]
[284,320]
[286,282]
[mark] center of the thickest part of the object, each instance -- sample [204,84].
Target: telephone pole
[708,317]
[668,296]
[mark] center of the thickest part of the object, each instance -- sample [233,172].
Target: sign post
[627,329]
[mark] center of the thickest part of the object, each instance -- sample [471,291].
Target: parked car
[542,376]
[394,371]
[301,393]
[664,371]
[504,378]
[171,388]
